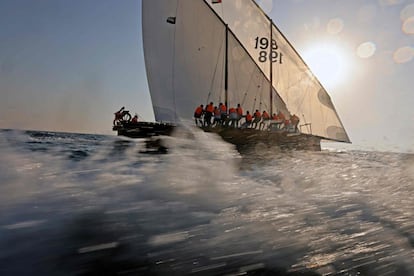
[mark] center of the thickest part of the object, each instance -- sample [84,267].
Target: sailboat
[202,51]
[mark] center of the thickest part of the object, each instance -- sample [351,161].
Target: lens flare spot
[335,26]
[266,5]
[407,12]
[408,25]
[403,54]
[366,49]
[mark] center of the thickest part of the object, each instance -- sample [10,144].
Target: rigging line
[261,93]
[237,87]
[234,76]
[261,101]
[173,65]
[266,106]
[305,90]
[278,102]
[254,104]
[308,125]
[215,74]
[255,96]
[249,84]
[221,85]
[244,99]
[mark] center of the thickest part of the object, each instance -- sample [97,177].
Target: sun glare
[328,63]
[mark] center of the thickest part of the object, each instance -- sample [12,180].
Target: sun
[329,64]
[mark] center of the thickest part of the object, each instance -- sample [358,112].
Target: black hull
[143,129]
[245,139]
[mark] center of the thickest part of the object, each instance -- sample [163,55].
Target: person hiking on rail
[134,120]
[223,111]
[257,116]
[197,115]
[249,119]
[239,114]
[265,120]
[208,113]
[233,117]
[217,116]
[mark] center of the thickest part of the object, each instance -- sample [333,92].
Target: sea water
[78,204]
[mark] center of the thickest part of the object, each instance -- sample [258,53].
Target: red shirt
[210,108]
[199,110]
[281,116]
[239,111]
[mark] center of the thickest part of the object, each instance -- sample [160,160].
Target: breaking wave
[83,204]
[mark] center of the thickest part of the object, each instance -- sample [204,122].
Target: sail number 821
[274,55]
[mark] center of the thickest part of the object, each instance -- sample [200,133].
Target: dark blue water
[77,204]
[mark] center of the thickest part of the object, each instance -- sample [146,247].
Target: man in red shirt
[197,115]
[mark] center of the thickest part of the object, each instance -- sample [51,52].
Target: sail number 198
[274,55]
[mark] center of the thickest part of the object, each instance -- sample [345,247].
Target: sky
[69,65]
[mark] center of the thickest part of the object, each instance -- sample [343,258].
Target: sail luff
[271,69]
[226,68]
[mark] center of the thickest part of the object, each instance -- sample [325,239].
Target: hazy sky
[68,65]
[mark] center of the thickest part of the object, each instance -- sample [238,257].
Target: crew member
[118,115]
[248,119]
[233,117]
[265,119]
[135,119]
[281,118]
[217,116]
[208,113]
[257,117]
[197,115]
[223,110]
[294,120]
[239,113]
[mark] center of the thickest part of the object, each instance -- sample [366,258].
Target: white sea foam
[325,211]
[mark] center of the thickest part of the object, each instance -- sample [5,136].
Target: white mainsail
[185,61]
[181,58]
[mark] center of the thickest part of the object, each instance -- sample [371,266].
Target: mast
[271,68]
[226,69]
